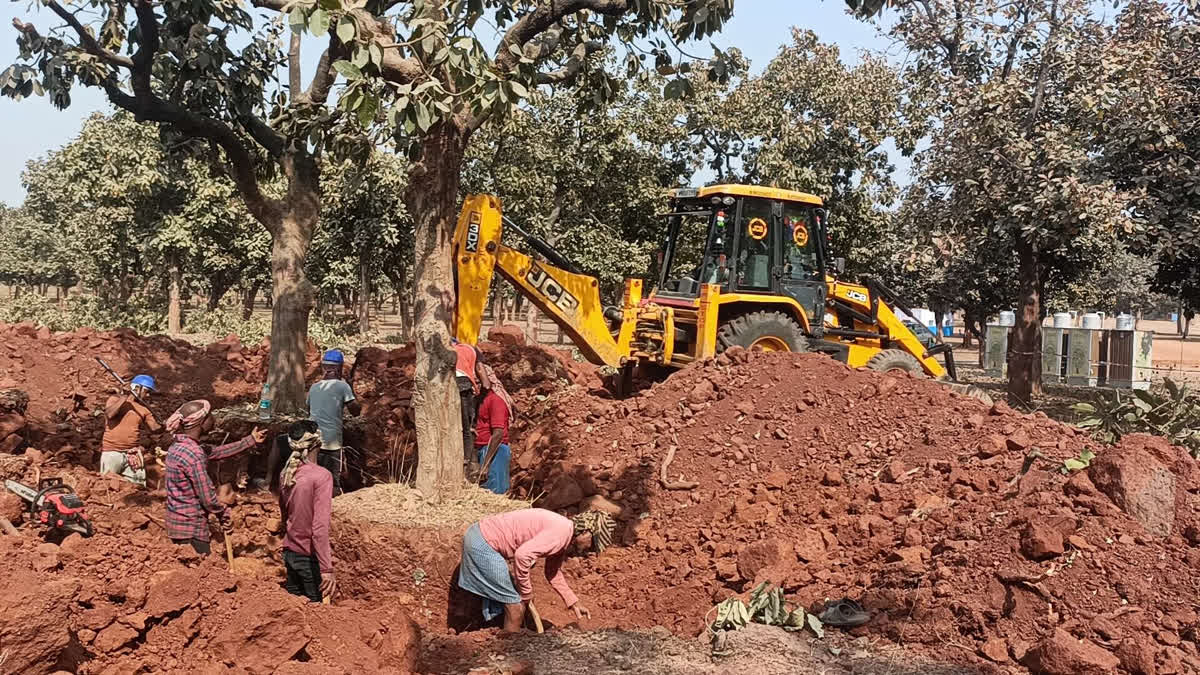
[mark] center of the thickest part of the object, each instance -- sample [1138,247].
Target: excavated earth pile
[65,386]
[919,502]
[127,600]
[957,525]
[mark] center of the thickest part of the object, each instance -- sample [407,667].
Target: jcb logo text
[543,283]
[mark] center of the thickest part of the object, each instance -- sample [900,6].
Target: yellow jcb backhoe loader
[739,265]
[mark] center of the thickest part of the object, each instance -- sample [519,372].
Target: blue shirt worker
[327,399]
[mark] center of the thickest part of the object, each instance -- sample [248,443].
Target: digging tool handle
[537,618]
[121,380]
[7,526]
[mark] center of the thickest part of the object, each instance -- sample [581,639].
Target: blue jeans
[497,478]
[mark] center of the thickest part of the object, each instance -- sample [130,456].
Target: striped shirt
[191,495]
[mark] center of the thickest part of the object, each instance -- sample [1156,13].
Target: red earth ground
[792,469]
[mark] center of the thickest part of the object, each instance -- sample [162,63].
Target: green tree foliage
[810,122]
[820,126]
[33,253]
[589,183]
[128,212]
[1011,160]
[1151,139]
[367,243]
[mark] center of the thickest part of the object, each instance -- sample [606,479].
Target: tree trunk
[174,296]
[364,292]
[249,294]
[1024,376]
[433,196]
[292,302]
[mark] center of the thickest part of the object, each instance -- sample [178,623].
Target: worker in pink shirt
[523,537]
[305,498]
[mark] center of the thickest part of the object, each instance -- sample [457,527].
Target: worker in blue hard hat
[327,400]
[125,415]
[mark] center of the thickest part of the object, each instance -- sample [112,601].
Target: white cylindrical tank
[1124,321]
[1008,318]
[1092,320]
[1062,319]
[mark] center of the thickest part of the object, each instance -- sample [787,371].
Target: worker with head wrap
[305,498]
[523,537]
[191,496]
[491,431]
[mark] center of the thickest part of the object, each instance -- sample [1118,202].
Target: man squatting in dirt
[124,418]
[523,537]
[305,500]
[327,398]
[191,496]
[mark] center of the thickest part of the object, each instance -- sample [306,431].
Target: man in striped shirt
[191,496]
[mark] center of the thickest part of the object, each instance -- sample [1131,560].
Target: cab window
[754,245]
[800,261]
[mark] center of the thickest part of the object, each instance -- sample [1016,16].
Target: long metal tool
[121,380]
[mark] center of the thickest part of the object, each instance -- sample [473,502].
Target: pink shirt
[308,503]
[526,535]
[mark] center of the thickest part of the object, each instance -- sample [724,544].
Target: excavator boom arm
[571,300]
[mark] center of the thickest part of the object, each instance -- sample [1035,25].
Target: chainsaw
[54,504]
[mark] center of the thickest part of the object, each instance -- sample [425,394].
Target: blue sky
[759,28]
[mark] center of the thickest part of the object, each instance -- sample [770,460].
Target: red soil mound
[127,600]
[66,385]
[834,482]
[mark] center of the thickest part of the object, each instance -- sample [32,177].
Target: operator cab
[744,239]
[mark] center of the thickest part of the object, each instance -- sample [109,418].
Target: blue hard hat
[143,381]
[333,357]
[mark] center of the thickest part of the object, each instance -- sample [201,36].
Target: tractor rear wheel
[762,331]
[895,360]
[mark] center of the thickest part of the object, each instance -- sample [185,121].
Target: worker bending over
[327,398]
[523,537]
[305,498]
[124,418]
[191,496]
[491,431]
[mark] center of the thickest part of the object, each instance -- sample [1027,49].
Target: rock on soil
[35,618]
[1065,654]
[1140,485]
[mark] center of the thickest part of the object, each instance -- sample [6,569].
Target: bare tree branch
[568,73]
[398,69]
[277,5]
[541,19]
[323,79]
[147,106]
[294,66]
[86,40]
[272,141]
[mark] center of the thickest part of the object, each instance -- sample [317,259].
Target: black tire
[756,327]
[890,360]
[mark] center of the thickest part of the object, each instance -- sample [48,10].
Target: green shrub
[83,311]
[1171,411]
[227,319]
